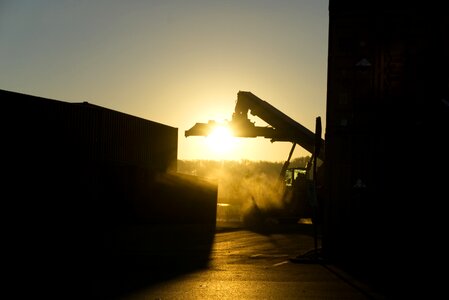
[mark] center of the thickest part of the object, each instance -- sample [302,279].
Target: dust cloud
[247,190]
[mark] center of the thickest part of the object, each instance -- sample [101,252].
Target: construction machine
[300,186]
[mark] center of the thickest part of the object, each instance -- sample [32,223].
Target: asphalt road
[248,265]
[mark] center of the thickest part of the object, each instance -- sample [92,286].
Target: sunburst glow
[221,140]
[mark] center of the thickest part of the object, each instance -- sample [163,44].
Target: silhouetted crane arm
[282,127]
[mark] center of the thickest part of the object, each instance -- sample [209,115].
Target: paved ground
[248,265]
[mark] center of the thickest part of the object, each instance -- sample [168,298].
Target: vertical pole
[315,184]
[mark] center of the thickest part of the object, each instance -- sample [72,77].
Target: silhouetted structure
[387,122]
[92,196]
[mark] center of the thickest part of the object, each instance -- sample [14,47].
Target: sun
[220,140]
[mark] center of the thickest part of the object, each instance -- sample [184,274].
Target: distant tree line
[213,168]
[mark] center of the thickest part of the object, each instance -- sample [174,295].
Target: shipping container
[92,190]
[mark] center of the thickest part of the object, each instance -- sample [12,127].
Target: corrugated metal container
[387,106]
[89,188]
[93,132]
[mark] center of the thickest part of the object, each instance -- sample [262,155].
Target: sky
[175,62]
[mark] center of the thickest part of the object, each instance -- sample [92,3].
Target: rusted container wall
[386,109]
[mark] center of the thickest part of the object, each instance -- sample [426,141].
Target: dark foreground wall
[386,148]
[95,192]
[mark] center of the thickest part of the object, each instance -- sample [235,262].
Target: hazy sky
[172,62]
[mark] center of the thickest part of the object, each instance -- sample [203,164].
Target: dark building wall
[387,121]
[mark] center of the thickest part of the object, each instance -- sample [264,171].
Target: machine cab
[293,174]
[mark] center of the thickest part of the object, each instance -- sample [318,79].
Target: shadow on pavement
[125,263]
[171,252]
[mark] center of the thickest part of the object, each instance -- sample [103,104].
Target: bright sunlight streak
[220,140]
